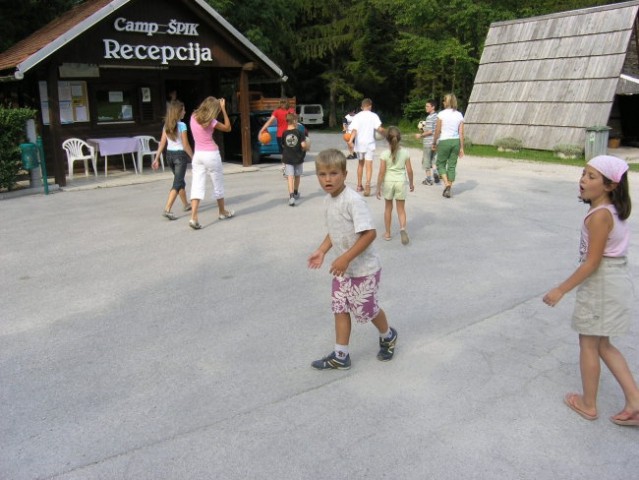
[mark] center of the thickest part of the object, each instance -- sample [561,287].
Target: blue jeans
[178,161]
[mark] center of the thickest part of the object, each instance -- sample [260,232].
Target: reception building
[106,68]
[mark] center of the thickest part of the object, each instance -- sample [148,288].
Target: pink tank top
[618,238]
[203,136]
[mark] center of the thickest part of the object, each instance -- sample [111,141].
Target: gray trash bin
[596,141]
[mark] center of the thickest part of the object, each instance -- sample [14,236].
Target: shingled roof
[544,80]
[27,53]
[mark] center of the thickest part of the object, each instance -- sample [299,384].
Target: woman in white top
[448,141]
[178,153]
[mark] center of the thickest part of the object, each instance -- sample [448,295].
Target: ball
[346,136]
[379,136]
[421,125]
[265,138]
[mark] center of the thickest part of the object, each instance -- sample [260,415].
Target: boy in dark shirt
[294,147]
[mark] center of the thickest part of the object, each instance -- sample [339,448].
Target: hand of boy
[316,259]
[339,266]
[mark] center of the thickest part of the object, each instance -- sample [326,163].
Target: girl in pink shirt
[602,306]
[206,157]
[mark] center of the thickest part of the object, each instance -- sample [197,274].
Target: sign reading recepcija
[191,52]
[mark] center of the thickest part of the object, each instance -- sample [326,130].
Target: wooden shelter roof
[544,80]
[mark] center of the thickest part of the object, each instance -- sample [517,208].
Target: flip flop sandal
[194,225]
[227,214]
[569,401]
[404,236]
[631,421]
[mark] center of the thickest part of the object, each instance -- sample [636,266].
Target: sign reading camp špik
[191,52]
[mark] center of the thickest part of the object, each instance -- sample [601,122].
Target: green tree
[325,36]
[20,18]
[269,25]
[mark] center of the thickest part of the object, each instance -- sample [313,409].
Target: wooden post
[245,116]
[55,126]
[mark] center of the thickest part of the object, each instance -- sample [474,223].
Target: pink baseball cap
[609,166]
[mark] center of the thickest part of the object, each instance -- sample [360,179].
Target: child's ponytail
[393,136]
[620,197]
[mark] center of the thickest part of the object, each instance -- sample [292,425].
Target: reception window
[115,105]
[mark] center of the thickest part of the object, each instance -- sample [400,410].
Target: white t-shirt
[347,215]
[176,145]
[348,120]
[451,119]
[365,122]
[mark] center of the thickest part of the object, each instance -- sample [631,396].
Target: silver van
[311,114]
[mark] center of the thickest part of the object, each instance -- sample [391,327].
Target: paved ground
[132,347]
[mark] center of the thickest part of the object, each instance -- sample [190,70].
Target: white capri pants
[207,163]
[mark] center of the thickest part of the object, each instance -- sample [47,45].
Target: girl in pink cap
[602,305]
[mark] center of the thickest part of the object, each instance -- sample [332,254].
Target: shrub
[12,123]
[509,144]
[414,110]
[568,151]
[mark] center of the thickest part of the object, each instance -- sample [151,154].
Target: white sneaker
[291,201]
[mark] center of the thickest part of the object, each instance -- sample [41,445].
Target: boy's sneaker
[428,181]
[291,201]
[331,362]
[297,195]
[387,347]
[436,175]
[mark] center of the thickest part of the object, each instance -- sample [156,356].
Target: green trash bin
[596,141]
[30,158]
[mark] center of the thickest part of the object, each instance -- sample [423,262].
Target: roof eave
[98,16]
[69,35]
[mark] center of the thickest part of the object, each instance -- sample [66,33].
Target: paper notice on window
[44,94]
[44,108]
[66,112]
[64,91]
[76,90]
[116,97]
[127,112]
[81,114]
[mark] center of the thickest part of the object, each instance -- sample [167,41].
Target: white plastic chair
[145,149]
[74,148]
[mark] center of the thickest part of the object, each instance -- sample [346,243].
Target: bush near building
[12,126]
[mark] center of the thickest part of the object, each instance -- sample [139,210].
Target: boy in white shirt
[363,128]
[356,270]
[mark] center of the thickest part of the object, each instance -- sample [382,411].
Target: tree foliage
[397,52]
[20,18]
[12,122]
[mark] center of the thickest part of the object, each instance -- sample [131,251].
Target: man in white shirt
[363,128]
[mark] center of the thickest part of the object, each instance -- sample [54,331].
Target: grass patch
[409,129]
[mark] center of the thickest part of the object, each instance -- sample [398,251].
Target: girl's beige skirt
[603,302]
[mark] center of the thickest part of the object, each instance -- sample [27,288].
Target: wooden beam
[245,120]
[55,126]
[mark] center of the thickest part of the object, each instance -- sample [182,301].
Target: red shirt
[280,116]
